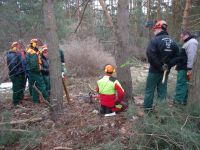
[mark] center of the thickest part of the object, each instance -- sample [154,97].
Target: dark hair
[185,32]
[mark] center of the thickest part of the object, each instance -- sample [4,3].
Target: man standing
[161,53]
[16,72]
[45,67]
[184,66]
[34,66]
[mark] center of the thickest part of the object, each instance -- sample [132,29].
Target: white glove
[63,74]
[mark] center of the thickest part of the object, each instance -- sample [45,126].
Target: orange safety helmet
[161,24]
[44,47]
[34,42]
[109,69]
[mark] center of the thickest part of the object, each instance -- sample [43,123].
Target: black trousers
[105,110]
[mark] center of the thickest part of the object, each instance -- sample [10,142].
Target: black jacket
[182,60]
[14,62]
[161,50]
[45,65]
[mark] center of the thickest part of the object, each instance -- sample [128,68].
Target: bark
[194,86]
[186,14]
[148,16]
[56,97]
[175,9]
[122,53]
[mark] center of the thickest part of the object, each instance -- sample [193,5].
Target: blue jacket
[14,62]
[161,50]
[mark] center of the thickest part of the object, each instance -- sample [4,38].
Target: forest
[84,39]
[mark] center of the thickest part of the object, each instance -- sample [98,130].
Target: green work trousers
[154,81]
[181,93]
[46,82]
[18,88]
[37,79]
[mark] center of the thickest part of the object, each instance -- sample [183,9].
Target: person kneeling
[110,92]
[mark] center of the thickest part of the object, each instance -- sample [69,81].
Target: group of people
[162,53]
[30,64]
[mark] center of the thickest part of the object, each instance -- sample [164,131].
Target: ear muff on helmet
[161,24]
[34,44]
[14,48]
[109,69]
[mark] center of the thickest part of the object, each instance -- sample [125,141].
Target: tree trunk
[121,36]
[194,86]
[56,97]
[105,11]
[186,14]
[158,10]
[148,16]
[122,48]
[175,9]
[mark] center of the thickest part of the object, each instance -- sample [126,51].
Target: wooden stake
[66,91]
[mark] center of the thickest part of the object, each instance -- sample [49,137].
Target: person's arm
[120,91]
[191,54]
[176,56]
[152,55]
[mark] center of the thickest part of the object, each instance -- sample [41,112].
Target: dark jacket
[161,50]
[14,62]
[187,54]
[45,65]
[182,60]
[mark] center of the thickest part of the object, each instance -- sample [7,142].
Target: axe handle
[164,76]
[66,91]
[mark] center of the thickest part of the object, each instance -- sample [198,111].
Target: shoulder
[193,41]
[190,42]
[113,79]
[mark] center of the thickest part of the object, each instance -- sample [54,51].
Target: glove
[63,75]
[189,74]
[165,67]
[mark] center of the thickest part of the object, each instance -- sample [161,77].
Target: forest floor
[79,126]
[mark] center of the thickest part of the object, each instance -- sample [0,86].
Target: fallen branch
[23,121]
[40,93]
[16,130]
[185,122]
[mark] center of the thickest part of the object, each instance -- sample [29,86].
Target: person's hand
[165,67]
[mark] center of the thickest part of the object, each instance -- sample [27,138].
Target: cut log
[32,120]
